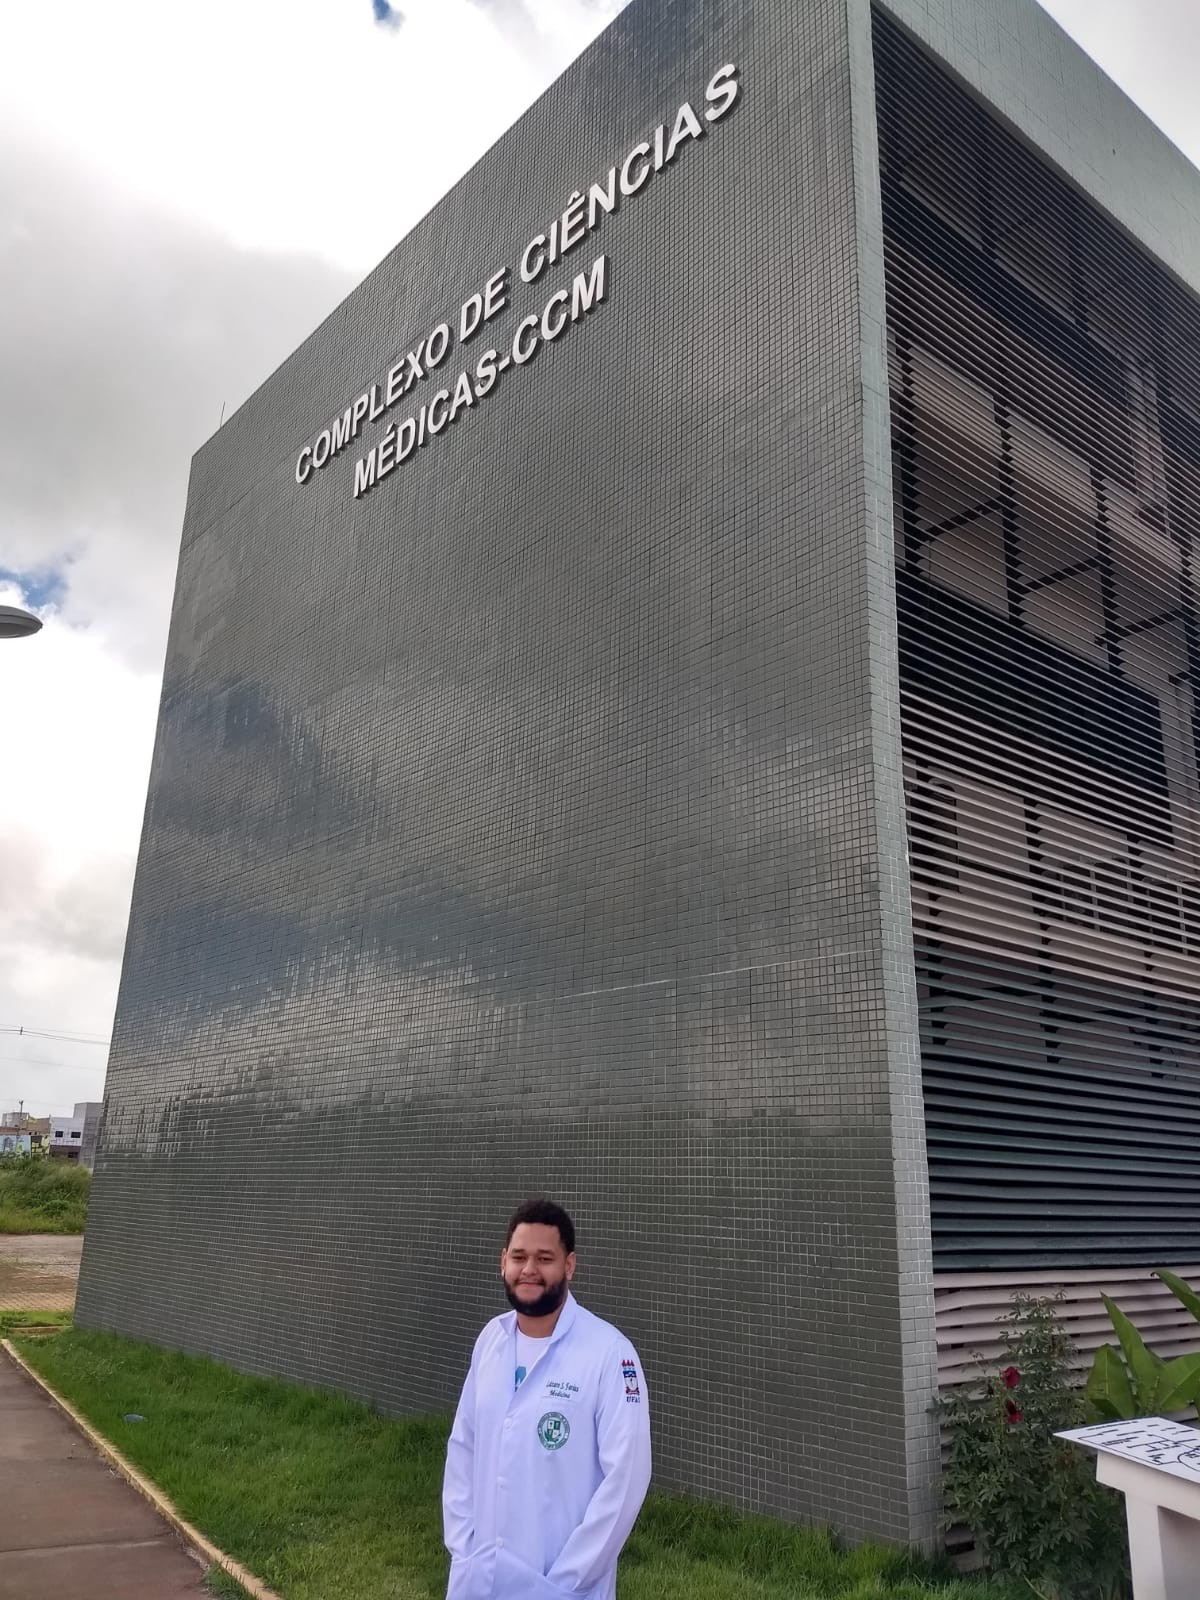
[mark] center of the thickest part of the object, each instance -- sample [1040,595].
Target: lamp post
[15,623]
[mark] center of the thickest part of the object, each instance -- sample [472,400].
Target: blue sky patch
[42,586]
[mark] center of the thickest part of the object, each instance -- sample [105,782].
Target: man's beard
[549,1300]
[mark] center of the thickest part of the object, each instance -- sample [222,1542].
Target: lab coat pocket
[517,1581]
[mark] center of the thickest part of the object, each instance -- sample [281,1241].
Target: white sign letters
[571,302]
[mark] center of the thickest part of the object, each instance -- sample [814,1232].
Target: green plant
[13,1323]
[1031,1501]
[40,1195]
[1131,1381]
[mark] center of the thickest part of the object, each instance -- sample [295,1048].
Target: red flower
[1013,1412]
[1011,1377]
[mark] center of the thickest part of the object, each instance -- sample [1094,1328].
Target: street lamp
[15,623]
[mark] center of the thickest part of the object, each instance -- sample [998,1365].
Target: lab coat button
[501,1483]
[499,1544]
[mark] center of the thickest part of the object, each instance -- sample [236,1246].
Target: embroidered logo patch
[629,1373]
[553,1430]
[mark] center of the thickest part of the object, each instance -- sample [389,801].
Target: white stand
[1155,1463]
[1163,1513]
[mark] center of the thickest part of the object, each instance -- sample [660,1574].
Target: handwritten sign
[1172,1447]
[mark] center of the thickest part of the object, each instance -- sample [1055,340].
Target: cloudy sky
[184,193]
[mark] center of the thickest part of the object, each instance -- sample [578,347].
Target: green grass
[13,1323]
[38,1195]
[316,1495]
[223,1586]
[18,1219]
[324,1500]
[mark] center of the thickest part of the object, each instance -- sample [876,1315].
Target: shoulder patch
[630,1373]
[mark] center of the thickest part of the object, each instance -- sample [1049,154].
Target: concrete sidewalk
[70,1528]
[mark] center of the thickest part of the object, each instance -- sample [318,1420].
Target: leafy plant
[1031,1501]
[40,1195]
[1131,1381]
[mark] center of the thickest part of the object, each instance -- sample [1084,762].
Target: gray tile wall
[514,828]
[914,1244]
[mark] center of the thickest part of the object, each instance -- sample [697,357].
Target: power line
[34,1061]
[45,1033]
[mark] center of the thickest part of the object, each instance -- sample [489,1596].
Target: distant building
[73,1138]
[36,1128]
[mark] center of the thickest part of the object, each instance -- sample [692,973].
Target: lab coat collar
[567,1316]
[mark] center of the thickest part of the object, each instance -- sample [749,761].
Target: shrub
[1032,1501]
[38,1195]
[1131,1381]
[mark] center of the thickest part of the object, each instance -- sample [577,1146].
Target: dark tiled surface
[511,828]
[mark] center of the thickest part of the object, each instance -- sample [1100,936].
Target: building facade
[75,1137]
[679,696]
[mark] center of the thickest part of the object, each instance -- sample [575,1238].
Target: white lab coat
[544,1483]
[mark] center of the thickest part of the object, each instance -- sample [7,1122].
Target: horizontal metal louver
[1045,393]
[971,1307]
[1062,1119]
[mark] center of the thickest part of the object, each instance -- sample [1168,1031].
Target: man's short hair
[547,1212]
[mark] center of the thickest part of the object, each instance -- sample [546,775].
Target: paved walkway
[70,1528]
[39,1271]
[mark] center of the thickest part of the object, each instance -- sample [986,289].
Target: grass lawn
[324,1500]
[20,1219]
[14,1323]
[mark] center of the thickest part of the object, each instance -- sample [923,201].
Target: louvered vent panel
[972,1306]
[1045,390]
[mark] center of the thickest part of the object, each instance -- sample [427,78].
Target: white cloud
[123,331]
[78,729]
[306,127]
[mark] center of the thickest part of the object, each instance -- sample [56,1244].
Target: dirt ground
[38,1271]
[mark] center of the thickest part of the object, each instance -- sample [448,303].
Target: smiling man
[549,1457]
